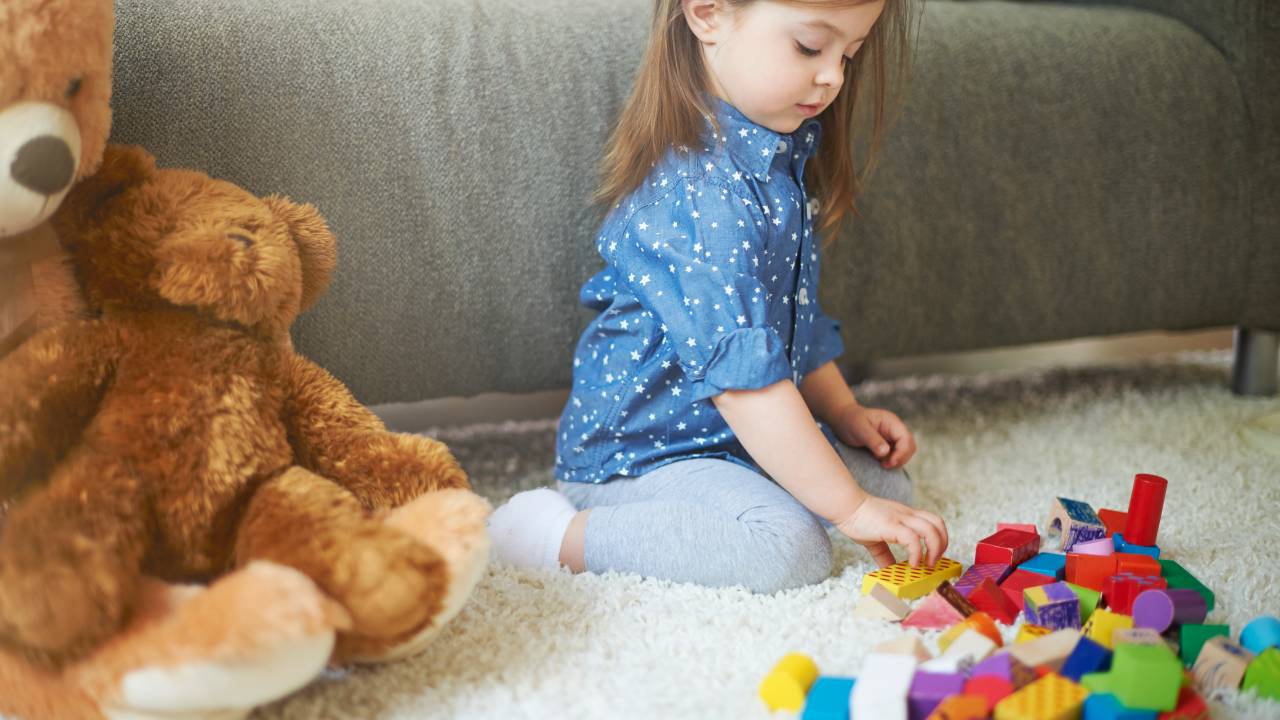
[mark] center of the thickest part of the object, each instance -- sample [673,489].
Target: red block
[1090,571]
[1020,580]
[1114,520]
[1137,564]
[1146,503]
[1009,547]
[989,598]
[1190,707]
[1024,527]
[1120,590]
[991,687]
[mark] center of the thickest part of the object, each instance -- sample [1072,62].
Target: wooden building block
[971,648]
[961,707]
[1221,664]
[1053,564]
[1143,677]
[1102,626]
[978,572]
[1024,527]
[933,613]
[1006,667]
[1162,608]
[1054,606]
[1086,657]
[1052,696]
[1089,600]
[1030,632]
[1263,674]
[929,689]
[909,582]
[1101,546]
[1178,577]
[1261,633]
[829,699]
[1138,564]
[910,645]
[1192,637]
[989,598]
[1136,636]
[1121,545]
[1018,581]
[882,604]
[1121,590]
[1146,503]
[1190,707]
[1105,706]
[1089,570]
[881,690]
[1113,520]
[1075,521]
[1007,547]
[787,684]
[991,688]
[1048,651]
[985,624]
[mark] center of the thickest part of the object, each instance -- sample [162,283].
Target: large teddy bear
[176,435]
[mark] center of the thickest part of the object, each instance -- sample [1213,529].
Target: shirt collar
[754,147]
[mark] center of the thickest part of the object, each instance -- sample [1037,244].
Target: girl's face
[778,63]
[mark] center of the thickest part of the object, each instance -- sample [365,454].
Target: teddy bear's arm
[52,386]
[335,436]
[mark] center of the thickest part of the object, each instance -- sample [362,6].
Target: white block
[882,688]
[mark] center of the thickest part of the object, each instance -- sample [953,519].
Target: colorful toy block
[909,582]
[1086,657]
[1024,527]
[1120,590]
[1105,706]
[1088,600]
[787,684]
[882,604]
[1103,624]
[1136,636]
[1190,707]
[971,648]
[980,622]
[1193,636]
[909,645]
[1137,564]
[1030,632]
[881,690]
[1049,651]
[1018,581]
[1008,547]
[961,707]
[991,599]
[1121,545]
[976,573]
[990,688]
[829,699]
[1052,696]
[1159,609]
[928,689]
[934,613]
[1053,606]
[1263,675]
[1221,664]
[1089,571]
[1113,520]
[1075,521]
[1101,546]
[1052,564]
[1261,633]
[1178,577]
[1146,503]
[1145,677]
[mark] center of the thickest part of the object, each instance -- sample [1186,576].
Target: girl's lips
[808,109]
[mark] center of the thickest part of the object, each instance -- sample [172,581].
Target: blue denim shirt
[710,284]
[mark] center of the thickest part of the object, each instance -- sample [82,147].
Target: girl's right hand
[877,522]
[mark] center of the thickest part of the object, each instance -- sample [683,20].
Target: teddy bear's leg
[390,584]
[70,558]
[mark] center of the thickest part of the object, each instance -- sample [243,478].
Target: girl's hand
[879,431]
[878,521]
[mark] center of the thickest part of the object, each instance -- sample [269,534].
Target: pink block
[1101,546]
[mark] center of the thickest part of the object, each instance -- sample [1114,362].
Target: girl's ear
[705,19]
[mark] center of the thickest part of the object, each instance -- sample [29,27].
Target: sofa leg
[1254,371]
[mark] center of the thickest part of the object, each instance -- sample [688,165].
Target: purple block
[977,573]
[1159,609]
[999,665]
[1057,610]
[928,689]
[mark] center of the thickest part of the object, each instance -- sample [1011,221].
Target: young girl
[688,449]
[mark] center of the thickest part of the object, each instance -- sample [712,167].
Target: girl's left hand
[879,431]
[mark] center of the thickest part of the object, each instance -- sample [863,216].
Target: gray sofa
[1060,170]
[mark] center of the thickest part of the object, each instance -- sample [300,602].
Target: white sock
[529,529]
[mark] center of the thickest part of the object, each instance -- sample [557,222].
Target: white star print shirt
[710,284]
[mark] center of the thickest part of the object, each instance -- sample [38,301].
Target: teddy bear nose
[44,165]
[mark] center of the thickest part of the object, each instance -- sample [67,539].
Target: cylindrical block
[1261,633]
[788,682]
[1146,502]
[1159,609]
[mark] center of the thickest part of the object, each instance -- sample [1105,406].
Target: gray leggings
[716,523]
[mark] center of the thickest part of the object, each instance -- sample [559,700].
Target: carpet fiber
[994,447]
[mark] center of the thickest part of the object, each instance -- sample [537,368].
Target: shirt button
[782,146]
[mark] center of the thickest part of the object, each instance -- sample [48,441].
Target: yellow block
[1052,697]
[912,582]
[787,684]
[1030,632]
[1102,626]
[948,637]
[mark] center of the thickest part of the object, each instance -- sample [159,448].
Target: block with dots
[909,582]
[1052,696]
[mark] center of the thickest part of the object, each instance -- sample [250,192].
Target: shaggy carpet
[994,447]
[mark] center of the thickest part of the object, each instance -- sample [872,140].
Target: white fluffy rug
[992,448]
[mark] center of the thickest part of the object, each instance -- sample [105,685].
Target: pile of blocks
[1109,631]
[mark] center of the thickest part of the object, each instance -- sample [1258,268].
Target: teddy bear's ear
[316,245]
[123,166]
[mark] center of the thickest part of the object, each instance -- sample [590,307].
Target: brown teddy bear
[176,435]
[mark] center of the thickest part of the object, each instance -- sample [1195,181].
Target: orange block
[1137,564]
[961,707]
[1091,571]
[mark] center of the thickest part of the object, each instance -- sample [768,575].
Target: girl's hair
[667,107]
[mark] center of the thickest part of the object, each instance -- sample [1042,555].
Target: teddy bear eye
[248,242]
[73,87]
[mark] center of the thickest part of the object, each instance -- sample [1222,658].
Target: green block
[1178,577]
[1263,675]
[1193,637]
[1088,601]
[1142,677]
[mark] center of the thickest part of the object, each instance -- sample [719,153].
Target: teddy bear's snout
[43,165]
[39,155]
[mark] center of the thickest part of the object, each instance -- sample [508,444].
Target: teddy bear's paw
[453,523]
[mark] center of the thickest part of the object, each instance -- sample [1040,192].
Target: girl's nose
[831,75]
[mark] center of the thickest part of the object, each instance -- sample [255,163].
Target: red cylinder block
[1146,502]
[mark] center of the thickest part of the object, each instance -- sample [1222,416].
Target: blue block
[1052,564]
[828,699]
[1105,706]
[1261,633]
[1125,546]
[1087,657]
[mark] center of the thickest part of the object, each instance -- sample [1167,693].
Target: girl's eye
[807,51]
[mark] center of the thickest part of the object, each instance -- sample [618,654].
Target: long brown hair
[666,107]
